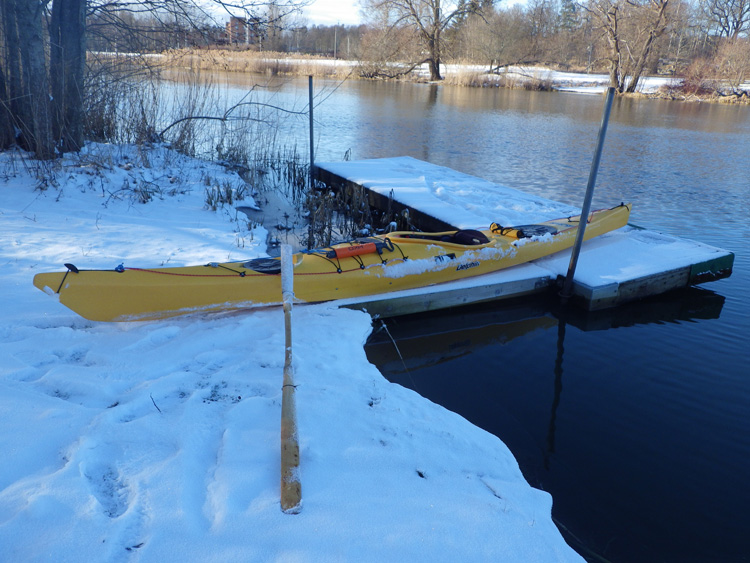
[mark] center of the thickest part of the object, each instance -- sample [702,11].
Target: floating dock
[622,266]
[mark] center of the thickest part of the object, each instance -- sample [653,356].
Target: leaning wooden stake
[291,489]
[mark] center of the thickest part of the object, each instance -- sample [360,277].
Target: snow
[579,82]
[468,202]
[563,81]
[628,254]
[159,441]
[467,260]
[465,201]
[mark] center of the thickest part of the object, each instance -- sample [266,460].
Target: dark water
[636,420]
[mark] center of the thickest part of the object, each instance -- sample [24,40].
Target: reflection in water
[558,392]
[432,98]
[432,338]
[449,337]
[489,364]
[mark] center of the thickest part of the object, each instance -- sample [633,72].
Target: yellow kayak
[380,264]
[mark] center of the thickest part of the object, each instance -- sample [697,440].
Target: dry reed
[257,62]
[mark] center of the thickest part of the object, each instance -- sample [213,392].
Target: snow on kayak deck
[606,263]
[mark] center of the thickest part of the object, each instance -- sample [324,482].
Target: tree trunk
[34,120]
[67,65]
[434,68]
[657,27]
[13,82]
[434,42]
[614,76]
[6,128]
[611,18]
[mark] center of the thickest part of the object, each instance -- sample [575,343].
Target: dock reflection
[416,341]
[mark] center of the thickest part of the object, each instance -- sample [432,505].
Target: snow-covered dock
[628,264]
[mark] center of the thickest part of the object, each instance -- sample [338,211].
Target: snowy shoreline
[466,75]
[160,440]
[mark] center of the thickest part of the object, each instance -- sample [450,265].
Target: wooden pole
[291,489]
[567,290]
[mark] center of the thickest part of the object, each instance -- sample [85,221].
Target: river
[636,420]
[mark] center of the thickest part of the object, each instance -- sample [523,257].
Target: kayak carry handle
[353,250]
[364,247]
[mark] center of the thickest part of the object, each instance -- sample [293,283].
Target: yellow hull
[391,262]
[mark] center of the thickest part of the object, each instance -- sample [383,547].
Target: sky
[332,12]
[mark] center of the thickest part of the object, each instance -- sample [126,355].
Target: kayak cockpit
[465,237]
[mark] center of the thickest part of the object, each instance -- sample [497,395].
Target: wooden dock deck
[622,266]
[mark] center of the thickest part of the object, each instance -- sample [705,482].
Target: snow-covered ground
[159,441]
[563,81]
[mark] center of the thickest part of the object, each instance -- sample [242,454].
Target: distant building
[238,30]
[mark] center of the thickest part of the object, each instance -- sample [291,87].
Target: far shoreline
[532,78]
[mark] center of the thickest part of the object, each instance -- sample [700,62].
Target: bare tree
[384,50]
[630,28]
[503,39]
[729,18]
[733,62]
[427,19]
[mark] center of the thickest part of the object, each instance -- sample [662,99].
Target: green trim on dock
[711,270]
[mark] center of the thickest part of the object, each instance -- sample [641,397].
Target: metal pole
[310,199]
[312,151]
[567,290]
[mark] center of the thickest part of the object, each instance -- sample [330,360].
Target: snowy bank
[159,441]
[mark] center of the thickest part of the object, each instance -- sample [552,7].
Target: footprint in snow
[107,486]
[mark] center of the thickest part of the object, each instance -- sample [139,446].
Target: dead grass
[476,79]
[268,63]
